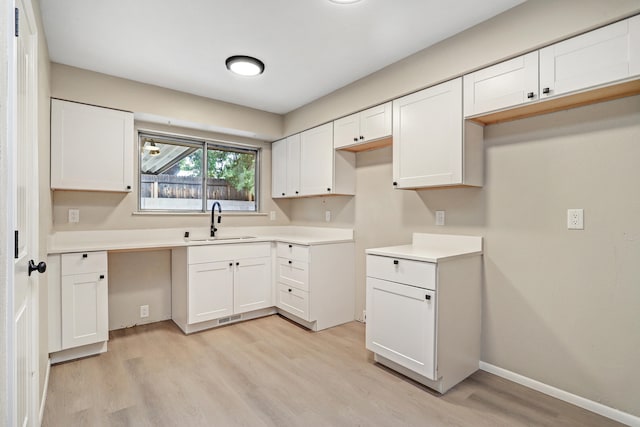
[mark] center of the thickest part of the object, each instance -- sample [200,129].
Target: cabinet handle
[102,276]
[395,183]
[546,90]
[283,194]
[85,255]
[290,262]
[296,192]
[328,189]
[361,137]
[355,139]
[128,187]
[290,246]
[230,264]
[289,289]
[396,262]
[530,95]
[427,297]
[237,263]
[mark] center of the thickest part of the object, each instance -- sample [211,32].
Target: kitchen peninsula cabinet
[432,144]
[91,148]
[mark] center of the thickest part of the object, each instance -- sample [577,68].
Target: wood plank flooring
[271,372]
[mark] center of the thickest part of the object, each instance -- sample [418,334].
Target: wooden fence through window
[187,187]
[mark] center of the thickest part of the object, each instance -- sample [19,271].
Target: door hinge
[15,242]
[17,21]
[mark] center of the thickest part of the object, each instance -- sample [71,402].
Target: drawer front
[293,301]
[293,273]
[414,273]
[233,251]
[83,262]
[293,251]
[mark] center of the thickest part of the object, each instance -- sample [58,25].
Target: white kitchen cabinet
[216,284]
[602,56]
[316,160]
[433,146]
[78,305]
[361,128]
[423,317]
[315,285]
[91,148]
[285,167]
[507,84]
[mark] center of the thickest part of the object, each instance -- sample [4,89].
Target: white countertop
[121,240]
[433,247]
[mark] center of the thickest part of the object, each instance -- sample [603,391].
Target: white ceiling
[310,47]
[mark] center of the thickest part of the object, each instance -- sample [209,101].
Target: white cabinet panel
[346,131]
[293,165]
[91,147]
[363,127]
[316,160]
[401,325]
[507,84]
[292,251]
[428,139]
[414,273]
[210,291]
[84,309]
[279,168]
[252,285]
[598,57]
[293,273]
[293,301]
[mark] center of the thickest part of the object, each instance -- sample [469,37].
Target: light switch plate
[272,215]
[440,217]
[74,216]
[575,219]
[327,216]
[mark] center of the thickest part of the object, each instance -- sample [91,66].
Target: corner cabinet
[306,164]
[91,148]
[358,131]
[216,284]
[432,144]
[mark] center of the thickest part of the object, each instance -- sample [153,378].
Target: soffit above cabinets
[310,48]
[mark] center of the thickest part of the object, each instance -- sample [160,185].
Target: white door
[401,325]
[316,160]
[279,168]
[346,131]
[252,285]
[427,137]
[85,318]
[23,289]
[210,291]
[293,165]
[375,123]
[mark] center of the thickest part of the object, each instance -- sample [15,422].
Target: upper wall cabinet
[432,144]
[285,167]
[358,131]
[306,164]
[598,57]
[507,84]
[91,148]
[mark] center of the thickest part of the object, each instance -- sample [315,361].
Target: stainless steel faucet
[213,217]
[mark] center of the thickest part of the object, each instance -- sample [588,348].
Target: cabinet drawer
[209,253]
[293,251]
[83,262]
[293,301]
[293,273]
[414,273]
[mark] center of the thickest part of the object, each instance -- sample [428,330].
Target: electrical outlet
[327,216]
[74,216]
[575,219]
[144,311]
[272,215]
[439,217]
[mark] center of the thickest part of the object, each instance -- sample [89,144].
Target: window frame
[205,144]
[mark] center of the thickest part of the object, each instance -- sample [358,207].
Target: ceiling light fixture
[152,148]
[245,65]
[344,1]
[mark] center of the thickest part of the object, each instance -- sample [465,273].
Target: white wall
[559,306]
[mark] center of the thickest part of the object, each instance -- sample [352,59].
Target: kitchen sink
[221,238]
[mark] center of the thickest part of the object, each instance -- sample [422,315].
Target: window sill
[169,213]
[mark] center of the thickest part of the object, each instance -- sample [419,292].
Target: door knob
[40,268]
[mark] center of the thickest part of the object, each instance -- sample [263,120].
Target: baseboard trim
[589,405]
[43,399]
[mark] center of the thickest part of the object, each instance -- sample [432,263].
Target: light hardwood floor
[271,372]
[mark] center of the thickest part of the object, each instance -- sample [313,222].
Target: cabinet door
[507,84]
[293,301]
[91,147]
[427,137]
[401,325]
[279,168]
[252,285]
[375,123]
[293,165]
[84,302]
[316,160]
[210,291]
[598,57]
[346,131]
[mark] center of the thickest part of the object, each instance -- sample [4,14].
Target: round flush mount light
[245,65]
[344,1]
